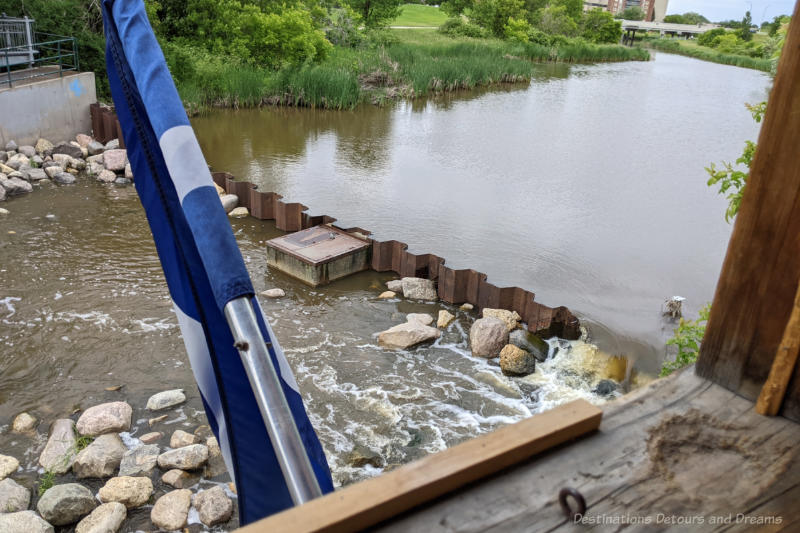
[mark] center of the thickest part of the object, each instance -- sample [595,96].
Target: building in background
[654,10]
[588,5]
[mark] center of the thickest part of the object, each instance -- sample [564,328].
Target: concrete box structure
[56,109]
[319,255]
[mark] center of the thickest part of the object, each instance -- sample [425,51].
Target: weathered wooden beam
[774,390]
[756,289]
[364,504]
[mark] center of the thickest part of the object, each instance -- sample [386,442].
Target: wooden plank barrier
[370,502]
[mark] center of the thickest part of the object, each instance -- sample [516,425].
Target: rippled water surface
[586,187]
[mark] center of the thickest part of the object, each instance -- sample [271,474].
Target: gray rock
[27,150]
[180,479]
[106,518]
[95,148]
[423,318]
[37,160]
[21,174]
[186,458]
[487,337]
[101,458]
[23,423]
[43,145]
[406,335]
[605,387]
[165,399]
[18,160]
[215,466]
[66,504]
[180,438]
[530,343]
[59,452]
[213,506]
[24,521]
[128,171]
[2,192]
[11,145]
[515,361]
[13,496]
[113,144]
[273,293]
[53,171]
[77,164]
[510,318]
[419,289]
[396,285]
[3,157]
[98,158]
[229,202]
[94,168]
[172,509]
[115,160]
[129,491]
[36,174]
[122,181]
[361,456]
[64,178]
[68,149]
[8,465]
[82,139]
[139,461]
[62,159]
[111,417]
[106,176]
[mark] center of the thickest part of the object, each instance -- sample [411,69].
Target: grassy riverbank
[692,49]
[405,64]
[419,15]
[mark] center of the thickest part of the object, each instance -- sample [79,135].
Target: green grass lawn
[419,16]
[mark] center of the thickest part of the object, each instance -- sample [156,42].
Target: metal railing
[25,54]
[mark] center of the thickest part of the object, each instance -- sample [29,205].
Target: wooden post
[756,289]
[769,402]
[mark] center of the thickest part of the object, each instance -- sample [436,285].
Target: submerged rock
[239,212]
[515,361]
[273,293]
[530,343]
[107,518]
[445,317]
[186,458]
[419,289]
[139,461]
[27,521]
[111,417]
[387,294]
[213,506]
[66,504]
[13,496]
[362,456]
[487,337]
[605,387]
[172,509]
[8,465]
[59,452]
[180,479]
[423,318]
[130,491]
[64,178]
[23,423]
[406,335]
[167,398]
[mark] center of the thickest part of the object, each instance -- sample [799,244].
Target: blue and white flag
[202,263]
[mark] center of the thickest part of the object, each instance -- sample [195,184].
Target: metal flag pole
[289,449]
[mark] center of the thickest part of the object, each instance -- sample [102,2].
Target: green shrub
[707,38]
[456,27]
[516,30]
[494,14]
[342,29]
[688,337]
[599,26]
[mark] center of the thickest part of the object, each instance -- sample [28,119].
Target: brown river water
[586,186]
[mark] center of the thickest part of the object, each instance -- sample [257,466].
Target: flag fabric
[202,263]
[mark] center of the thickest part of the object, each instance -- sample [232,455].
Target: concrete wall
[56,109]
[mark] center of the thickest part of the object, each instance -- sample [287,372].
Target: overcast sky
[716,10]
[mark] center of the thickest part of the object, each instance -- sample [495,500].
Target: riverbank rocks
[14,186]
[27,521]
[387,294]
[467,307]
[36,174]
[361,456]
[215,465]
[515,361]
[445,317]
[510,318]
[101,458]
[152,437]
[83,139]
[419,289]
[67,149]
[2,193]
[43,145]
[423,318]
[11,145]
[130,491]
[165,399]
[172,509]
[106,518]
[180,479]
[395,285]
[8,465]
[23,423]
[189,457]
[113,144]
[111,417]
[64,178]
[180,438]
[115,160]
[530,343]
[13,496]
[59,452]
[229,202]
[18,160]
[27,150]
[213,506]
[487,337]
[139,461]
[273,293]
[66,504]
[106,176]
[239,212]
[407,335]
[95,148]
[605,387]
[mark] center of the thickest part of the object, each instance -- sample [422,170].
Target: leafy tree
[574,8]
[555,20]
[747,21]
[772,27]
[494,14]
[599,26]
[456,7]
[376,13]
[516,30]
[632,13]
[708,38]
[675,19]
[694,18]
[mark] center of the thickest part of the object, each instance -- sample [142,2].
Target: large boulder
[515,361]
[130,491]
[168,398]
[530,343]
[106,518]
[101,458]
[67,149]
[510,318]
[139,461]
[186,458]
[213,506]
[66,504]
[172,509]
[406,335]
[419,289]
[115,160]
[43,145]
[59,452]
[8,465]
[487,336]
[13,496]
[27,521]
[111,417]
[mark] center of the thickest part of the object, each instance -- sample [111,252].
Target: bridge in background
[630,27]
